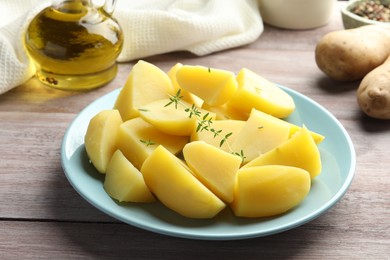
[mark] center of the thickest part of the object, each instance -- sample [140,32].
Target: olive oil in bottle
[74,45]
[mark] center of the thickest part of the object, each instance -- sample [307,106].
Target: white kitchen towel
[150,27]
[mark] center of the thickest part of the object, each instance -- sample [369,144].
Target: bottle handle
[109,6]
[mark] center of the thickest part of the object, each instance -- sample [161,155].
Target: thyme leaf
[174,99]
[240,154]
[147,142]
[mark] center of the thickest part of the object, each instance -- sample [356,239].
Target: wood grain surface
[42,216]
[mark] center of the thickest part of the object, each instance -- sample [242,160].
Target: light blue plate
[338,159]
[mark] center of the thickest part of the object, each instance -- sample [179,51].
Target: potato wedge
[124,182]
[265,191]
[299,151]
[215,168]
[145,83]
[177,188]
[174,119]
[257,92]
[259,135]
[214,86]
[227,130]
[137,139]
[101,138]
[186,96]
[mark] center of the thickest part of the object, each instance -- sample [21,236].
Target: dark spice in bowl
[373,10]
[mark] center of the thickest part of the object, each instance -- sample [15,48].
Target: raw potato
[348,55]
[373,94]
[101,138]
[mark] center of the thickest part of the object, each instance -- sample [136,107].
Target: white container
[296,14]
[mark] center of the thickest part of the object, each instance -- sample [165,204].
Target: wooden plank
[326,238]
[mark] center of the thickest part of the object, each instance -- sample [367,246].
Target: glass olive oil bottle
[74,45]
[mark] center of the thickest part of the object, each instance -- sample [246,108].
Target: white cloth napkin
[150,27]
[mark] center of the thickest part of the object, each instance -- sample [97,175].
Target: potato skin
[348,55]
[373,94]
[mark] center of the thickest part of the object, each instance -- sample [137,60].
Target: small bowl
[296,14]
[352,20]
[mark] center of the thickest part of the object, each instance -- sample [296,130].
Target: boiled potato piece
[124,182]
[137,139]
[299,151]
[229,128]
[145,83]
[173,119]
[318,138]
[257,92]
[177,188]
[265,191]
[214,86]
[215,168]
[186,96]
[226,112]
[259,135]
[101,138]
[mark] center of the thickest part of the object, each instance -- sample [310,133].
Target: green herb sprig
[204,122]
[147,142]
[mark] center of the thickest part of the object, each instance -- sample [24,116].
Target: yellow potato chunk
[186,96]
[215,168]
[265,191]
[124,182]
[101,138]
[214,86]
[259,135]
[174,119]
[257,92]
[145,83]
[299,151]
[226,112]
[137,139]
[227,128]
[177,188]
[318,138]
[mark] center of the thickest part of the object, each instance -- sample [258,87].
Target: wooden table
[42,216]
